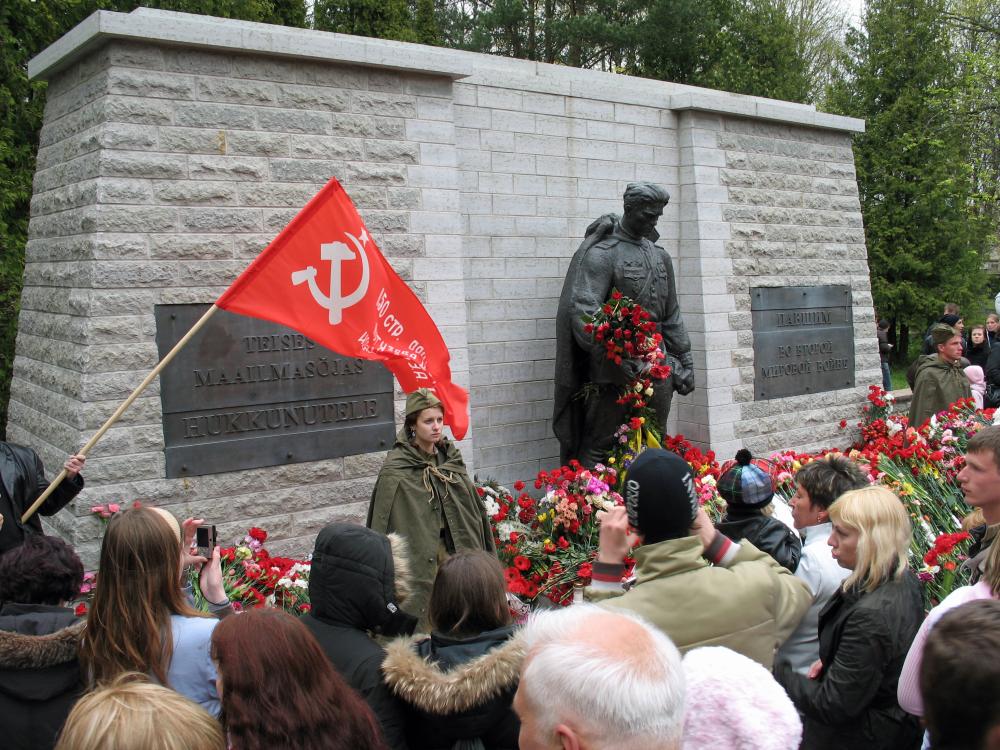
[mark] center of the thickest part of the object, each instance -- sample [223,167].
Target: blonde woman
[849,697]
[131,713]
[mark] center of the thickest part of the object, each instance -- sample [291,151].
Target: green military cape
[408,499]
[937,385]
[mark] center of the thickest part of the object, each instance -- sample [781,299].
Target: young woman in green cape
[425,494]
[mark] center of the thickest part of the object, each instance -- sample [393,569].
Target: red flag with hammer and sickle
[325,277]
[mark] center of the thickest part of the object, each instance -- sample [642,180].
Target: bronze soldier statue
[616,254]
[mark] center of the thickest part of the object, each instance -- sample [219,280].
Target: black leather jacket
[863,641]
[23,478]
[765,533]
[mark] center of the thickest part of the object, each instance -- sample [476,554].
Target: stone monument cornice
[754,107]
[189,30]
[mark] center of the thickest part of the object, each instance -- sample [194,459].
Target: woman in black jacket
[459,683]
[865,631]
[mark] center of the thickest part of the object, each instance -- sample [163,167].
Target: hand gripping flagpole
[121,409]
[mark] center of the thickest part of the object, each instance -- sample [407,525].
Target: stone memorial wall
[176,146]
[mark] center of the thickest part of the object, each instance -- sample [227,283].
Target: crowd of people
[781,627]
[956,362]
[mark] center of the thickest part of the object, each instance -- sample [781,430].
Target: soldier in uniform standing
[616,254]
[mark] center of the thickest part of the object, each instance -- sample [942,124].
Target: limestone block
[236,91]
[202,193]
[313,97]
[257,144]
[265,68]
[196,61]
[277,194]
[430,131]
[392,151]
[152,84]
[192,141]
[207,115]
[294,121]
[124,191]
[358,126]
[111,218]
[376,174]
[241,168]
[328,147]
[190,246]
[221,219]
[316,171]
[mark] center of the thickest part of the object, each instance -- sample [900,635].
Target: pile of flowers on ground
[251,576]
[547,544]
[921,465]
[254,578]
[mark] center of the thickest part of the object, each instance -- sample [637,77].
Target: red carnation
[81,610]
[522,563]
[518,485]
[259,534]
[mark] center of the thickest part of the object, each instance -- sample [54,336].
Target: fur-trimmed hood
[360,579]
[38,656]
[21,651]
[416,670]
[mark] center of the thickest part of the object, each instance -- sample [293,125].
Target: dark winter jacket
[23,480]
[457,690]
[39,673]
[765,533]
[358,584]
[884,347]
[863,641]
[978,354]
[992,371]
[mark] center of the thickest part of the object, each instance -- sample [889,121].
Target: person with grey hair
[597,680]
[616,254]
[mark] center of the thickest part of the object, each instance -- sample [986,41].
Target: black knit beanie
[659,496]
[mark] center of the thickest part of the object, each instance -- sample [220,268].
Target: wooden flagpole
[121,409]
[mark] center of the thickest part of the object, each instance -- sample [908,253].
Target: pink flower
[114,507]
[97,509]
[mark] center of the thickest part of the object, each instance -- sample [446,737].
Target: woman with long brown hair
[279,690]
[140,620]
[458,684]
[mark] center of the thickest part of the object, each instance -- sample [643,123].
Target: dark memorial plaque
[803,340]
[245,393]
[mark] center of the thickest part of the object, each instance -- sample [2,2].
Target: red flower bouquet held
[627,332]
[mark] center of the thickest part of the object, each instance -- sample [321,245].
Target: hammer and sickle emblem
[336,302]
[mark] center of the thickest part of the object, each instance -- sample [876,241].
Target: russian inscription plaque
[803,340]
[245,393]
